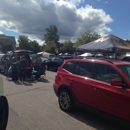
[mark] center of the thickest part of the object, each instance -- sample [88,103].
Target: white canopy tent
[46,54]
[86,54]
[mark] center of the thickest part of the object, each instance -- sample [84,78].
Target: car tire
[66,102]
[4,112]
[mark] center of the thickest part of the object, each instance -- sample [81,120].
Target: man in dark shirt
[23,68]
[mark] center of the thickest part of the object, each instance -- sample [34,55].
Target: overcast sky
[72,17]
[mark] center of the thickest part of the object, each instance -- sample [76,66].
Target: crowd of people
[20,64]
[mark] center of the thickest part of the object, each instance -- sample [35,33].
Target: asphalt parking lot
[34,106]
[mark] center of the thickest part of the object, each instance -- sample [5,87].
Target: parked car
[44,59]
[126,59]
[54,63]
[5,61]
[1,55]
[99,84]
[65,57]
[4,112]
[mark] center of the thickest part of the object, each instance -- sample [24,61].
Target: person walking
[23,68]
[37,65]
[14,67]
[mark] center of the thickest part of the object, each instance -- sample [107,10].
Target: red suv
[100,84]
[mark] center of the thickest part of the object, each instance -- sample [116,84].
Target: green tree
[7,47]
[24,42]
[52,36]
[67,47]
[86,37]
[50,48]
[35,47]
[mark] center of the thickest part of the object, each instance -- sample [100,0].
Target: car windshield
[125,69]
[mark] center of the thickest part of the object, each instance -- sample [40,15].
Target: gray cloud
[32,17]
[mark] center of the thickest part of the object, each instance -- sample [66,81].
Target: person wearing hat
[23,68]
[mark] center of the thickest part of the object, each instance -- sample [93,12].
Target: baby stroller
[41,74]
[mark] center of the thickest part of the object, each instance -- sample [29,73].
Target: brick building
[7,39]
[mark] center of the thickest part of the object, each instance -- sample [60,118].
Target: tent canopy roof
[110,44]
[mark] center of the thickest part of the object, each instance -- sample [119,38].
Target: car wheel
[65,101]
[4,112]
[5,70]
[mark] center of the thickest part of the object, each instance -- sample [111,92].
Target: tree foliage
[24,42]
[86,37]
[27,44]
[52,36]
[35,46]
[67,47]
[7,47]
[50,48]
[52,42]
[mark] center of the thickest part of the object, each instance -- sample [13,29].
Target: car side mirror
[116,82]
